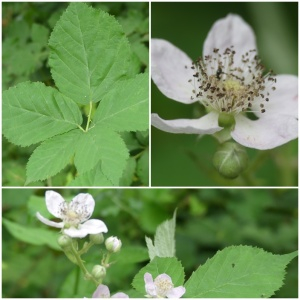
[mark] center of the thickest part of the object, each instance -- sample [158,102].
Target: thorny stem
[89,117]
[86,273]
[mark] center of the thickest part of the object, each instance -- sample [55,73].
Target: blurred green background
[185,160]
[207,220]
[26,27]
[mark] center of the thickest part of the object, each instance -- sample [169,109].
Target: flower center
[226,86]
[163,286]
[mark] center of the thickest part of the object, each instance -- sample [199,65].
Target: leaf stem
[89,117]
[80,128]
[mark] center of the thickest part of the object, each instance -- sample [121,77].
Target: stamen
[227,85]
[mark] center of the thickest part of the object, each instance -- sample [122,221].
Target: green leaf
[95,177]
[33,236]
[33,112]
[239,272]
[164,240]
[89,53]
[131,255]
[101,143]
[128,174]
[170,266]
[52,156]
[39,34]
[125,107]
[143,167]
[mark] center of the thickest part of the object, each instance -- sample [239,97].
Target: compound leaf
[101,143]
[52,156]
[239,272]
[170,266]
[125,107]
[33,112]
[89,53]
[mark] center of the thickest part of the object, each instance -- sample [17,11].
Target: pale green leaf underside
[52,156]
[164,240]
[170,266]
[33,236]
[101,144]
[89,53]
[126,106]
[33,112]
[95,177]
[239,272]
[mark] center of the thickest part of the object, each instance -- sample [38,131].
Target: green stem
[86,273]
[80,128]
[85,248]
[76,282]
[89,117]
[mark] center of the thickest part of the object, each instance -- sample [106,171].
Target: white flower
[74,215]
[162,287]
[102,291]
[228,81]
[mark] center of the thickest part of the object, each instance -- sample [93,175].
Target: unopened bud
[97,238]
[230,160]
[99,272]
[113,244]
[64,241]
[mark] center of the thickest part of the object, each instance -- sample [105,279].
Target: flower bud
[99,272]
[97,238]
[230,160]
[64,241]
[113,244]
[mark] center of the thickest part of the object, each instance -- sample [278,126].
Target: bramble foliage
[92,119]
[208,224]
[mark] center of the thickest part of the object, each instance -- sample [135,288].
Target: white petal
[171,71]
[284,100]
[265,133]
[83,203]
[89,227]
[120,295]
[150,287]
[102,291]
[205,125]
[176,292]
[93,226]
[48,222]
[55,202]
[227,32]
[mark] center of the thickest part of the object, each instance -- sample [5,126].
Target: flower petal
[176,292]
[205,125]
[265,133]
[48,222]
[55,202]
[102,291]
[171,71]
[93,226]
[150,287]
[284,100]
[89,227]
[83,205]
[120,295]
[227,32]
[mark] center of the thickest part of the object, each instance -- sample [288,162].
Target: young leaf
[105,145]
[128,100]
[33,236]
[52,156]
[89,53]
[170,266]
[33,112]
[164,240]
[239,272]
